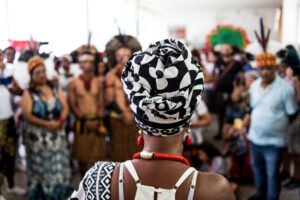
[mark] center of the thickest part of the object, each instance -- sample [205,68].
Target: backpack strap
[132,171]
[224,72]
[183,177]
[121,182]
[193,186]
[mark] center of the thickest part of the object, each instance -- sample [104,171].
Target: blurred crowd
[61,125]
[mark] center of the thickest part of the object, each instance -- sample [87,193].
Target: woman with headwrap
[44,110]
[163,85]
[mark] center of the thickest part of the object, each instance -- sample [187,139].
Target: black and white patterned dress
[47,155]
[96,183]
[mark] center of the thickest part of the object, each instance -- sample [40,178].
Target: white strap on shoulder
[121,182]
[193,185]
[132,171]
[183,177]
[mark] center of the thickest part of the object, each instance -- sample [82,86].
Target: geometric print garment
[47,154]
[95,185]
[164,85]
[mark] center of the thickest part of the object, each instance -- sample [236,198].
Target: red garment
[241,171]
[156,155]
[87,83]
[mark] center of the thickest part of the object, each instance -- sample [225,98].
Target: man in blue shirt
[272,101]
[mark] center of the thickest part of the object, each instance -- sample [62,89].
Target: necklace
[264,91]
[154,155]
[87,82]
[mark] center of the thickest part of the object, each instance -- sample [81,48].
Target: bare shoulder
[26,96]
[214,187]
[73,82]
[26,93]
[111,75]
[100,79]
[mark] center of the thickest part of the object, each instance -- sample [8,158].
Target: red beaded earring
[140,140]
[188,139]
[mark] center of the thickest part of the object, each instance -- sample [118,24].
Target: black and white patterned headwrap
[164,86]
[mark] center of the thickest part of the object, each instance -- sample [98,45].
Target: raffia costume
[89,146]
[122,137]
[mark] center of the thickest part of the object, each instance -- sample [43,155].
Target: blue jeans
[265,163]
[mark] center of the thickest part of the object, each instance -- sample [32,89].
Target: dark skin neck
[161,173]
[168,145]
[266,84]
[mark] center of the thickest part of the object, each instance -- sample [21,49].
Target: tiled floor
[243,193]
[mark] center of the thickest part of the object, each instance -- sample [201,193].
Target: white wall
[64,23]
[3,25]
[200,23]
[291,22]
[151,27]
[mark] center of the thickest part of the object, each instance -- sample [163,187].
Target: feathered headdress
[263,40]
[264,50]
[118,42]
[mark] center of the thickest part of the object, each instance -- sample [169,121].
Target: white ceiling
[177,5]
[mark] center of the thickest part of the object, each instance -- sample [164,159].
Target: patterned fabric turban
[164,86]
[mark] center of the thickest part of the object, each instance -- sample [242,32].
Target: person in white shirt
[8,135]
[10,53]
[200,119]
[65,73]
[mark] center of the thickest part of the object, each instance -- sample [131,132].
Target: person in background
[44,110]
[212,159]
[102,69]
[123,130]
[8,134]
[9,54]
[292,156]
[246,60]
[239,99]
[101,72]
[235,134]
[200,119]
[65,74]
[237,146]
[292,59]
[272,101]
[250,77]
[86,100]
[196,56]
[282,72]
[212,57]
[226,70]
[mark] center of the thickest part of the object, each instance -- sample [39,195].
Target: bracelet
[61,121]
